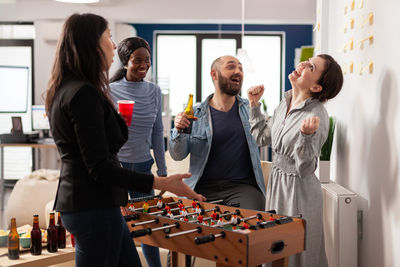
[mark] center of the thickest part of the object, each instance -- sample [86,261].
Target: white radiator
[340,225]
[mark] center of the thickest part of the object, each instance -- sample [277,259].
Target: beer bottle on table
[52,240]
[190,112]
[36,237]
[13,241]
[60,232]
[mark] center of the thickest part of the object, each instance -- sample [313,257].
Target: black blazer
[88,133]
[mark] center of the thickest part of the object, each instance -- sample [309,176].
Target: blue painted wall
[296,35]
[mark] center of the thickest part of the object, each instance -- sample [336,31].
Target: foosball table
[228,235]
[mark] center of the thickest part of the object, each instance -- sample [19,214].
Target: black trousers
[245,192]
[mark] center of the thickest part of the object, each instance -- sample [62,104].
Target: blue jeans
[102,238]
[151,254]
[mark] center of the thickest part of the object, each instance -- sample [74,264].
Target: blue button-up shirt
[198,143]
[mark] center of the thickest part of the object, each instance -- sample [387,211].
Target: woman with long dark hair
[88,133]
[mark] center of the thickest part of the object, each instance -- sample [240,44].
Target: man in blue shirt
[224,157]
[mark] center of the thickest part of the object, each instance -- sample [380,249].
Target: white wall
[366,154]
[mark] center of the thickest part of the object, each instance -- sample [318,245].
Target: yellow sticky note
[371,67]
[371,18]
[352,23]
[351,65]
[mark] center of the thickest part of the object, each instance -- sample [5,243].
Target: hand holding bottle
[184,120]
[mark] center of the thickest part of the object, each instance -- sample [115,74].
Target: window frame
[200,35]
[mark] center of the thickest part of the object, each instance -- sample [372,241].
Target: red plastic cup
[125,108]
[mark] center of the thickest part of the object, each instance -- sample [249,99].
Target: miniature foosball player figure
[245,225]
[184,212]
[271,218]
[234,221]
[160,204]
[214,215]
[198,209]
[169,214]
[180,205]
[185,218]
[146,207]
[220,221]
[194,204]
[200,218]
[167,207]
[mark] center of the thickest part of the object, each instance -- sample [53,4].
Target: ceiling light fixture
[78,1]
[241,53]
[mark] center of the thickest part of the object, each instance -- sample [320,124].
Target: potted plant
[323,169]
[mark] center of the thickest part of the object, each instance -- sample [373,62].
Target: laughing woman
[146,130]
[296,132]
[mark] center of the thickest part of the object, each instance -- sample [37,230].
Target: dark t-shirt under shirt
[229,158]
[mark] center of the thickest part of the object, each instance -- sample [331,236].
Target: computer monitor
[14,88]
[40,122]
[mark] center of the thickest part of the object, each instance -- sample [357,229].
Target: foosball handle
[131,217]
[141,232]
[207,238]
[204,239]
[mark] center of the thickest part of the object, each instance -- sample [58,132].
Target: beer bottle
[190,112]
[60,232]
[52,240]
[36,237]
[13,241]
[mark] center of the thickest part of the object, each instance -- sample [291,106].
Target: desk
[47,258]
[2,146]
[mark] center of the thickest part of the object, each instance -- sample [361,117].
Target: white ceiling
[158,11]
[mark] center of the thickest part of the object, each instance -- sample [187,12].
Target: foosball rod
[193,213]
[238,222]
[174,209]
[197,229]
[145,222]
[155,206]
[207,218]
[149,231]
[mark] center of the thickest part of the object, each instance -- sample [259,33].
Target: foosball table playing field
[228,235]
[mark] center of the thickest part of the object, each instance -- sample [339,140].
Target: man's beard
[227,87]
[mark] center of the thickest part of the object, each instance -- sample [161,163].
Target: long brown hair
[79,55]
[125,48]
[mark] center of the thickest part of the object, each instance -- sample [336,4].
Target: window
[176,68]
[186,64]
[16,52]
[15,78]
